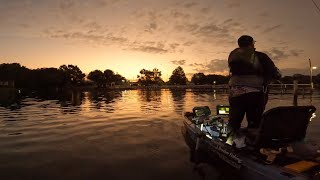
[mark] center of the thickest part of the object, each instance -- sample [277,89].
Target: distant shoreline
[218,88]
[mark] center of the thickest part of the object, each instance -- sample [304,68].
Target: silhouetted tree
[198,78]
[118,79]
[317,79]
[15,72]
[98,77]
[9,71]
[178,77]
[46,78]
[302,79]
[109,76]
[218,79]
[72,74]
[287,80]
[23,77]
[26,78]
[148,77]
[157,76]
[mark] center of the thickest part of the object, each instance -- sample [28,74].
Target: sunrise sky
[128,35]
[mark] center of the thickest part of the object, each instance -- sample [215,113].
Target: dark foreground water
[110,135]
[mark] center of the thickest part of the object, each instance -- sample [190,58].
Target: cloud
[151,27]
[197,64]
[99,35]
[92,25]
[66,4]
[202,29]
[153,47]
[212,32]
[69,4]
[24,25]
[188,43]
[191,4]
[228,20]
[174,46]
[103,39]
[102,3]
[179,62]
[177,14]
[264,14]
[233,4]
[206,10]
[150,49]
[189,28]
[296,53]
[278,54]
[215,66]
[267,30]
[230,24]
[11,4]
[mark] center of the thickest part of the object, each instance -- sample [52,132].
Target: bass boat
[275,150]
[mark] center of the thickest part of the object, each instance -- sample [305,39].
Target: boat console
[215,126]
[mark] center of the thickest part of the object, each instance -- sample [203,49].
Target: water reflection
[178,97]
[69,98]
[87,126]
[105,96]
[103,100]
[150,100]
[149,95]
[9,98]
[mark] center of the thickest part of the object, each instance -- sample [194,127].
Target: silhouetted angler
[250,73]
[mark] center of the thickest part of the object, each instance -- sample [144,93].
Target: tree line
[71,75]
[64,76]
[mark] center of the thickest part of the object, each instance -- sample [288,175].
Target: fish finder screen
[223,110]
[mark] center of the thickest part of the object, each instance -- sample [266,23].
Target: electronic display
[223,110]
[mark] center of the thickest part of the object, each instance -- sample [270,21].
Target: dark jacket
[251,68]
[270,71]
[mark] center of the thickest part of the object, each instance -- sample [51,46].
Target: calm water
[108,135]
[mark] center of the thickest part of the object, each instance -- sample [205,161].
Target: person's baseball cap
[245,41]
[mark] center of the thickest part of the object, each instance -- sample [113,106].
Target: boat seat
[280,126]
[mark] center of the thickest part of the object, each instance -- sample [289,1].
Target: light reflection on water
[81,135]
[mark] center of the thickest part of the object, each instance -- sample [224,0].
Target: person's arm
[270,71]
